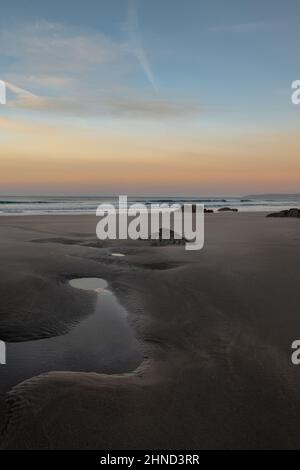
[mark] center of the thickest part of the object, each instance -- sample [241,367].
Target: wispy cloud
[135,41]
[57,69]
[47,47]
[50,81]
[23,98]
[244,27]
[132,107]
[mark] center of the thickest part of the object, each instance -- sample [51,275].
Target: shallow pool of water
[103,342]
[117,254]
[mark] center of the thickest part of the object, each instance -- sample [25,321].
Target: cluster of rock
[286,213]
[211,211]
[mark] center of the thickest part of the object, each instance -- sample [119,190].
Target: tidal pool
[103,342]
[117,254]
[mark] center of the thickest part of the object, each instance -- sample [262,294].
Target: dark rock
[286,213]
[227,209]
[206,211]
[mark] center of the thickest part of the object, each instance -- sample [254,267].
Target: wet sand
[215,328]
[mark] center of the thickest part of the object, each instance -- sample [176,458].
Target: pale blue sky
[228,58]
[220,69]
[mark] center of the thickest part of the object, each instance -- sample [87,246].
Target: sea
[35,205]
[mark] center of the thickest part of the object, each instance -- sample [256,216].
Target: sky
[149,98]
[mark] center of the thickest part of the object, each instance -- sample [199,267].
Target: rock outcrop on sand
[286,213]
[206,211]
[227,209]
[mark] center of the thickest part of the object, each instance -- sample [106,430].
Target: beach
[214,327]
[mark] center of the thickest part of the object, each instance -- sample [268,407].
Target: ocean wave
[24,202]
